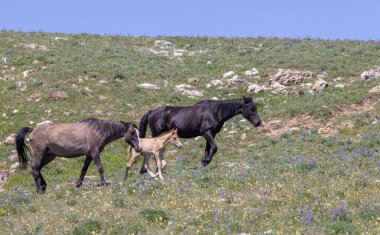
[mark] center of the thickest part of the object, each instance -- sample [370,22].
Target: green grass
[264,184]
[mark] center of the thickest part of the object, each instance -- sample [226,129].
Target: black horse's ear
[247,99]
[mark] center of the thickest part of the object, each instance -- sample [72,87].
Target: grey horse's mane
[107,128]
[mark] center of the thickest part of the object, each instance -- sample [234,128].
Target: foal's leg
[96,156]
[146,161]
[130,163]
[86,164]
[159,165]
[213,148]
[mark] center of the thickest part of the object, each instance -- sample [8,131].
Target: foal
[154,146]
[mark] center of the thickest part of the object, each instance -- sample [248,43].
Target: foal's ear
[247,100]
[175,131]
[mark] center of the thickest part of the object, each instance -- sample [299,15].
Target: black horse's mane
[222,107]
[107,128]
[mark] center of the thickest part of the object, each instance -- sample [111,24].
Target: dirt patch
[327,128]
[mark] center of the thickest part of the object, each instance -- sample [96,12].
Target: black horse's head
[249,111]
[131,136]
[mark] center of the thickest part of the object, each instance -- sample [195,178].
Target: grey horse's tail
[143,124]
[21,147]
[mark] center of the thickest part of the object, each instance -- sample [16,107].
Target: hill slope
[313,166]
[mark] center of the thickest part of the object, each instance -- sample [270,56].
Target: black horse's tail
[143,124]
[21,147]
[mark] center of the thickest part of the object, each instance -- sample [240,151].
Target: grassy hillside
[312,167]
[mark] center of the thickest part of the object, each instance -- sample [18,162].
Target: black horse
[205,118]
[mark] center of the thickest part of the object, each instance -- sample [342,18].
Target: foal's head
[249,111]
[131,136]
[174,139]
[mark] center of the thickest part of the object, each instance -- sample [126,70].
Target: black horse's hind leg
[212,149]
[98,163]
[86,164]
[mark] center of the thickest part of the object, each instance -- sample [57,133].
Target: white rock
[370,74]
[208,85]
[15,166]
[103,82]
[216,82]
[184,86]
[214,98]
[177,54]
[251,72]
[35,62]
[60,38]
[26,73]
[228,74]
[255,88]
[235,80]
[339,86]
[148,86]
[243,136]
[10,140]
[4,59]
[208,63]
[162,43]
[21,85]
[319,85]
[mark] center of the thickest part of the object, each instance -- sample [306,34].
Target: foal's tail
[21,147]
[144,123]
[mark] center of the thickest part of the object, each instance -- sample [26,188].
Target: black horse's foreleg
[212,149]
[98,163]
[86,164]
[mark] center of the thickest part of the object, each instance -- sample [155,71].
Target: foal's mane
[164,133]
[106,128]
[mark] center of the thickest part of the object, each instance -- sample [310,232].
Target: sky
[326,19]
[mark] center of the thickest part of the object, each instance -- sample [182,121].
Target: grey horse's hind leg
[47,158]
[86,164]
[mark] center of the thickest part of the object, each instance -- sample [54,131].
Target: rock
[277,86]
[13,156]
[33,96]
[21,85]
[3,164]
[289,77]
[243,136]
[60,39]
[193,80]
[375,121]
[235,80]
[216,82]
[35,62]
[3,179]
[163,44]
[322,75]
[251,72]
[148,86]
[228,74]
[103,82]
[177,54]
[340,86]
[187,90]
[26,73]
[214,98]
[375,89]
[255,88]
[370,74]
[208,63]
[14,167]
[319,85]
[10,140]
[58,95]
[4,59]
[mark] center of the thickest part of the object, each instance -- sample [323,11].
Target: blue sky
[328,19]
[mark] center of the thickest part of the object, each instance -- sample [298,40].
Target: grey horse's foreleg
[98,162]
[86,164]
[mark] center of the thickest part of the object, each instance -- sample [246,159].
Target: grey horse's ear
[247,99]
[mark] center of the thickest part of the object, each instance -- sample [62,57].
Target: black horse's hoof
[205,162]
